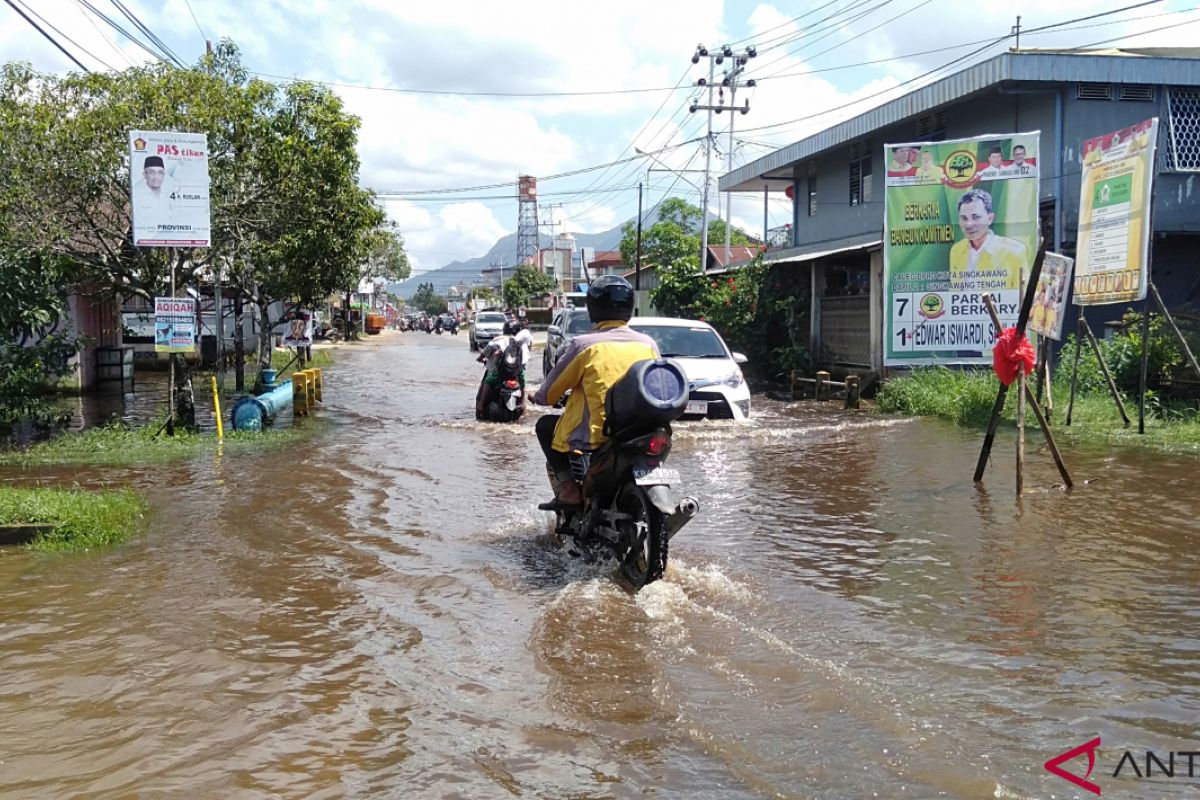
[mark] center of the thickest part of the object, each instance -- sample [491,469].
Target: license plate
[696,407]
[657,476]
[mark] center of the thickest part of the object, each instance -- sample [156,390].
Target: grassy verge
[118,445]
[82,520]
[966,398]
[281,358]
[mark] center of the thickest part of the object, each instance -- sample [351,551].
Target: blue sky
[431,142]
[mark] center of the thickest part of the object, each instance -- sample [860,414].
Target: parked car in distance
[485,326]
[718,389]
[566,325]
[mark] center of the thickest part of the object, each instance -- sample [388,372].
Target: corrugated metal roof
[1039,67]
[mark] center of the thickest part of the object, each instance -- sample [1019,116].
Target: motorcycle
[506,400]
[629,504]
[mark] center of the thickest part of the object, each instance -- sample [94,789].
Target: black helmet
[509,329]
[610,297]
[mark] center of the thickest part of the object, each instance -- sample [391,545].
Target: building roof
[1158,66]
[737,252]
[607,258]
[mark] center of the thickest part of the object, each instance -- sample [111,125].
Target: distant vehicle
[566,325]
[375,322]
[486,326]
[718,388]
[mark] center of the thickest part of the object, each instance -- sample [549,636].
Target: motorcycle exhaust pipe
[687,509]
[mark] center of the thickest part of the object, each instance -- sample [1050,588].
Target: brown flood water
[382,614]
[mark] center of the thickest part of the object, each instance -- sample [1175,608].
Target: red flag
[1012,350]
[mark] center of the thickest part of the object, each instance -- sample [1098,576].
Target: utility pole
[730,81]
[637,269]
[553,242]
[1017,32]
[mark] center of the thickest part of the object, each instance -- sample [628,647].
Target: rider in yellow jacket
[588,369]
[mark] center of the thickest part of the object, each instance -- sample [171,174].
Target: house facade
[836,176]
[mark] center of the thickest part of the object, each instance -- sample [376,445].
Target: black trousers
[559,462]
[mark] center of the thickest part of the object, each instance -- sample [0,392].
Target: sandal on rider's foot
[558,505]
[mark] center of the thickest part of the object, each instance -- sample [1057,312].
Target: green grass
[119,445]
[82,520]
[966,398]
[281,358]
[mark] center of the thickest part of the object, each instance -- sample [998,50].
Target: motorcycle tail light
[511,383]
[658,443]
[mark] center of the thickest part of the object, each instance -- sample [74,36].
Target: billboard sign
[1113,253]
[169,189]
[174,325]
[961,220]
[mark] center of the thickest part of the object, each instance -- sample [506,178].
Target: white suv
[485,326]
[718,389]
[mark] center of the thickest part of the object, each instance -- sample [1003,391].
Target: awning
[801,254]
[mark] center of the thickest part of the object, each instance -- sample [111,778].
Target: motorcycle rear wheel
[645,532]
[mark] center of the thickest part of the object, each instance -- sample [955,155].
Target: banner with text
[169,189]
[174,325]
[1113,255]
[1050,299]
[961,220]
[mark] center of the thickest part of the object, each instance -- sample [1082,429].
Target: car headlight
[733,380]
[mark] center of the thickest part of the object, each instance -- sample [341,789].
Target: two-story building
[836,176]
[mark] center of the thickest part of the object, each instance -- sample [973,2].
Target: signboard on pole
[1113,253]
[174,325]
[961,220]
[169,189]
[1050,300]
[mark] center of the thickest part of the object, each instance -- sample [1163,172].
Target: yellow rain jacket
[591,365]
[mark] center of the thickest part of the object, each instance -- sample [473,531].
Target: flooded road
[382,614]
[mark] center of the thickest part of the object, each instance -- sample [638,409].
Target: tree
[386,256]
[673,242]
[32,348]
[427,300]
[526,284]
[289,220]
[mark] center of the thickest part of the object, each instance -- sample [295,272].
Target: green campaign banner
[960,220]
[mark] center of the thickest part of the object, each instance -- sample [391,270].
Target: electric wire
[116,26]
[111,44]
[137,23]
[48,37]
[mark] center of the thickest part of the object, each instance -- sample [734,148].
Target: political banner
[1050,298]
[961,220]
[1113,252]
[169,189]
[299,332]
[174,325]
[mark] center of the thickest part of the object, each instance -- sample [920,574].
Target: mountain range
[503,251]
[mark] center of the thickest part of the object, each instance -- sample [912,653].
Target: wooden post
[822,389]
[1112,385]
[793,385]
[1037,412]
[1075,369]
[1171,321]
[1145,365]
[1022,388]
[1022,321]
[852,396]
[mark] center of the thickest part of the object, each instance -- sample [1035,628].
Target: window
[812,195]
[1093,91]
[932,127]
[860,181]
[1182,132]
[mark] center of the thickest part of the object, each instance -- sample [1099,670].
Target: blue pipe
[256,413]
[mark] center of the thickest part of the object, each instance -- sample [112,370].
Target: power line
[49,38]
[580,171]
[112,45]
[203,37]
[50,25]
[137,23]
[121,30]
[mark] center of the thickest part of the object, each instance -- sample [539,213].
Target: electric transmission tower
[729,83]
[527,220]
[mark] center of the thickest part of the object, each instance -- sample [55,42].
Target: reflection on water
[381,612]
